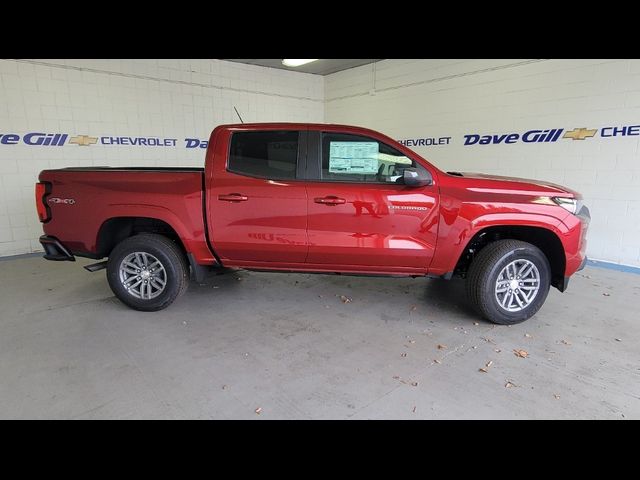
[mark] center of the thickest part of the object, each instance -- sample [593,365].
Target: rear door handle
[330,200]
[233,197]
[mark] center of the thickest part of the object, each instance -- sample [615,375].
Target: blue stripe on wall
[22,255]
[613,266]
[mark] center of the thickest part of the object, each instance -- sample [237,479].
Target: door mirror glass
[414,177]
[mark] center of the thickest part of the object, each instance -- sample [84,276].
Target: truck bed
[132,169]
[86,201]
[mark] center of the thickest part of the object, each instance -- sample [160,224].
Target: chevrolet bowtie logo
[580,133]
[83,140]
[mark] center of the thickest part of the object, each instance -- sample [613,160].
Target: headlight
[570,204]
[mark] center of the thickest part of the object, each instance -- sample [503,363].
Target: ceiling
[319,67]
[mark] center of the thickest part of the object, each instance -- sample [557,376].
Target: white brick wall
[163,98]
[414,99]
[436,98]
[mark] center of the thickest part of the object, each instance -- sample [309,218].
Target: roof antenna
[234,107]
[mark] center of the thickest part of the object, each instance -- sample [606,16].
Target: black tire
[171,258]
[483,275]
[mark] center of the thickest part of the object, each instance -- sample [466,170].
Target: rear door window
[268,154]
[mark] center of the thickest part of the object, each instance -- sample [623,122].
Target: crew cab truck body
[315,198]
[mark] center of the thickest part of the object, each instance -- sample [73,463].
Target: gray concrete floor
[288,345]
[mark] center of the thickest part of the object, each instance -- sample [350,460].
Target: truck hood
[515,183]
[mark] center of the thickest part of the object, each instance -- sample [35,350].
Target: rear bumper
[55,250]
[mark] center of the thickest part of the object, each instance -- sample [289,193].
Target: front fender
[454,236]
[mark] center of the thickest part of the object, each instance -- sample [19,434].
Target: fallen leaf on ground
[483,370]
[497,350]
[565,342]
[521,353]
[489,363]
[442,347]
[606,294]
[403,354]
[618,339]
[509,384]
[557,397]
[258,410]
[437,361]
[414,384]
[345,299]
[412,341]
[476,323]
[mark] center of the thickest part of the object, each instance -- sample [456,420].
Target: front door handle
[330,200]
[233,197]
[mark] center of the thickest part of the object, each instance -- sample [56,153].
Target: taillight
[42,190]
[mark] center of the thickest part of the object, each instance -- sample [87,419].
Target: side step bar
[94,267]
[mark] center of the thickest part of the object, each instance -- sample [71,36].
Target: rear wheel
[508,281]
[147,272]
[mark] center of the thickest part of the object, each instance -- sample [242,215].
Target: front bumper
[55,250]
[583,264]
[564,286]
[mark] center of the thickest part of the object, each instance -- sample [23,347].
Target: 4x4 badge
[66,201]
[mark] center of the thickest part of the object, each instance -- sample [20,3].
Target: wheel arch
[116,229]
[543,238]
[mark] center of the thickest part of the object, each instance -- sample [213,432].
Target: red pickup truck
[315,198]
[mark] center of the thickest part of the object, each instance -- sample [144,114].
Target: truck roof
[289,124]
[298,125]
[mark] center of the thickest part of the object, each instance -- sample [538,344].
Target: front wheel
[147,272]
[508,281]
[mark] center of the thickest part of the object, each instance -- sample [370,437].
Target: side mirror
[414,178]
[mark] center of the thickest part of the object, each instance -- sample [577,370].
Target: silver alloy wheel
[142,275]
[517,285]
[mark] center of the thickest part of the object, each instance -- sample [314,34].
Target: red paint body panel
[172,196]
[378,225]
[270,226]
[471,203]
[278,225]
